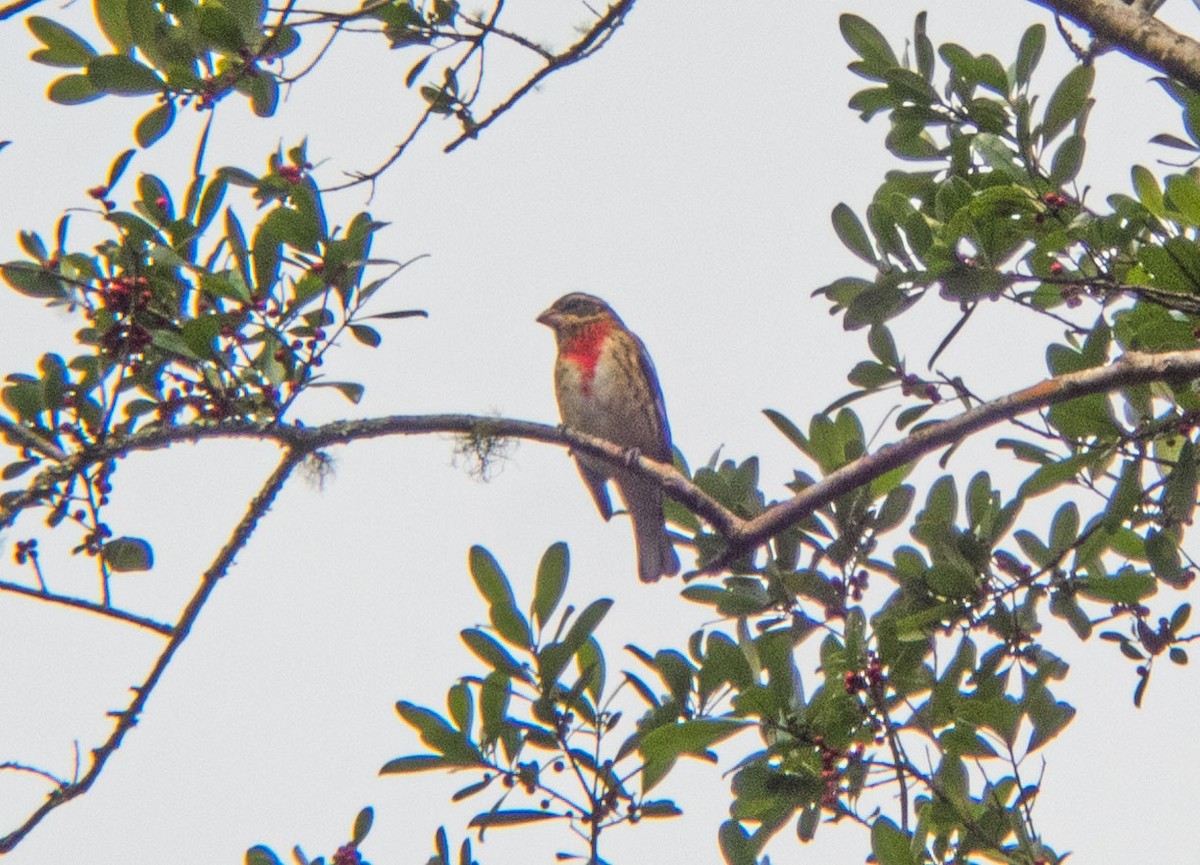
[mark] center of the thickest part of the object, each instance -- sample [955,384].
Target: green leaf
[890,845]
[123,76]
[551,582]
[1068,102]
[1049,718]
[128,554]
[260,855]
[64,47]
[866,40]
[154,124]
[1163,553]
[1029,53]
[350,390]
[415,763]
[73,90]
[1064,530]
[437,733]
[1149,193]
[789,429]
[662,746]
[494,587]
[362,825]
[489,650]
[513,817]
[1184,195]
[851,232]
[368,336]
[1127,587]
[264,93]
[1068,159]
[113,18]
[736,846]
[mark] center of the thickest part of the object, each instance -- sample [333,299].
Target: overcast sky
[686,174]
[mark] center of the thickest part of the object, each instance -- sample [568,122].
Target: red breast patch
[583,349]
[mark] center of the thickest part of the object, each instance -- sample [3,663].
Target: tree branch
[1141,36]
[16,8]
[128,718]
[1129,369]
[741,535]
[592,40]
[90,606]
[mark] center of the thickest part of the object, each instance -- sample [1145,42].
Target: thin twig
[90,606]
[128,718]
[592,41]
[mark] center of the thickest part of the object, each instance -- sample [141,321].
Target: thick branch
[126,719]
[742,535]
[305,440]
[1130,369]
[1140,35]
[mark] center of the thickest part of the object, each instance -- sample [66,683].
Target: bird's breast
[605,398]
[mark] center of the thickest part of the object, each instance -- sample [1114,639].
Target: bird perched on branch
[606,386]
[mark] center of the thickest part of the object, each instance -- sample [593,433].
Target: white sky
[686,174]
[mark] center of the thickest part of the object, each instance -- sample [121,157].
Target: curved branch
[1141,36]
[1129,369]
[741,535]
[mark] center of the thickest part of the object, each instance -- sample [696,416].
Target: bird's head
[577,310]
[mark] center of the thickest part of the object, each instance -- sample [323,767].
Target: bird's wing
[663,450]
[598,485]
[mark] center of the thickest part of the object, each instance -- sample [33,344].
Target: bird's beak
[549,318]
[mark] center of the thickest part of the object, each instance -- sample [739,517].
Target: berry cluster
[871,679]
[910,384]
[25,551]
[834,762]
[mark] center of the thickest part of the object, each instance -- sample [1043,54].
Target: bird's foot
[631,456]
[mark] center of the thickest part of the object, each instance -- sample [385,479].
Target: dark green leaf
[662,746]
[513,817]
[1068,101]
[851,232]
[366,335]
[493,585]
[551,582]
[866,40]
[890,845]
[124,76]
[113,18]
[73,90]
[64,47]
[128,554]
[362,825]
[260,855]
[1029,53]
[488,650]
[350,390]
[154,124]
[1067,160]
[416,763]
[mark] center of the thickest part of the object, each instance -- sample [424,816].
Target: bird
[606,386]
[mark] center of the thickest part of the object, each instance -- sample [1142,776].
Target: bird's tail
[656,557]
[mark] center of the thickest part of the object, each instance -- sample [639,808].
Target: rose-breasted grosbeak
[606,386]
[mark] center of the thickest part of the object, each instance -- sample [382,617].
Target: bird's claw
[631,456]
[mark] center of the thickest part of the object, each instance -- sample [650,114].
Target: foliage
[893,618]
